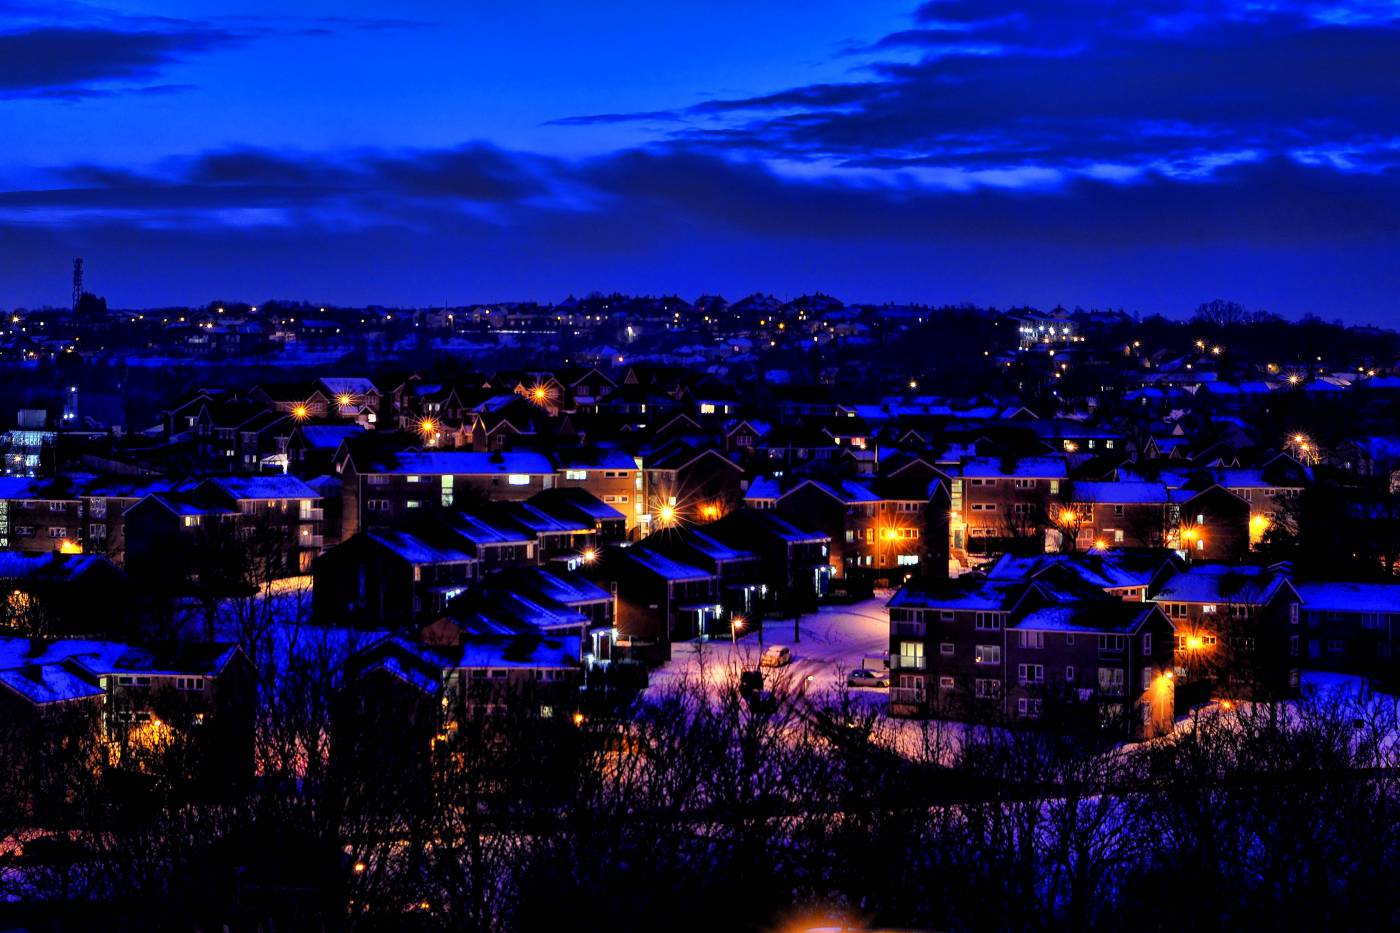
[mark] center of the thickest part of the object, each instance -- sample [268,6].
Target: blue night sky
[1148,155]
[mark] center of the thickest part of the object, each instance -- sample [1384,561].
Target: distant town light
[300,412]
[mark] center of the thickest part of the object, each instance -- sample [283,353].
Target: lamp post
[735,623]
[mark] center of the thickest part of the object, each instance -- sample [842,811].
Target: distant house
[63,595]
[391,579]
[793,562]
[200,695]
[380,490]
[1350,627]
[659,600]
[1237,627]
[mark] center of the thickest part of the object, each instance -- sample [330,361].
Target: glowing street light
[666,514]
[589,555]
[301,412]
[344,399]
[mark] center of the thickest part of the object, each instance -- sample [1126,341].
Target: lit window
[518,479]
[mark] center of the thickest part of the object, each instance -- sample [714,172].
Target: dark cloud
[49,60]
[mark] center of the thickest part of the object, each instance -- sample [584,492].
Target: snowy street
[835,640]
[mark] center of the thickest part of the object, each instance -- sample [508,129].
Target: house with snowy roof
[1350,627]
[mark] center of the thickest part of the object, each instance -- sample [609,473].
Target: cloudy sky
[1147,155]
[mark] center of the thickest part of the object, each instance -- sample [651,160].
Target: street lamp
[735,624]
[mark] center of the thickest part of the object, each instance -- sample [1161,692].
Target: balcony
[901,662]
[907,696]
[313,515]
[310,541]
[909,629]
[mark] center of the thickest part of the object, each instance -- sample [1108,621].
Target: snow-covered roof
[416,550]
[1108,616]
[1121,493]
[763,487]
[1222,583]
[556,651]
[977,594]
[1350,597]
[48,683]
[271,486]
[663,566]
[329,436]
[467,463]
[1025,468]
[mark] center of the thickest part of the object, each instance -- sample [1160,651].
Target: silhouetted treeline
[701,811]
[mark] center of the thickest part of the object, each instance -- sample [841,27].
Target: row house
[659,600]
[875,535]
[382,490]
[274,519]
[63,594]
[391,578]
[1209,524]
[972,648]
[1350,627]
[610,524]
[1001,504]
[137,700]
[742,590]
[39,516]
[689,483]
[794,563]
[1237,628]
[404,698]
[612,476]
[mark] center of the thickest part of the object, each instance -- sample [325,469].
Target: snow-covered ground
[834,641]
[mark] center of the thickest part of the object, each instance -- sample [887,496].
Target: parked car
[776,656]
[864,677]
[750,682]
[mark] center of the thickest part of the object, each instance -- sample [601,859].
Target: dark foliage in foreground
[700,812]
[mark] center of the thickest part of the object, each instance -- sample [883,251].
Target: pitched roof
[1350,597]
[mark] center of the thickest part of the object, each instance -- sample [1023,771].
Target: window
[1118,536]
[1032,639]
[946,615]
[1208,609]
[376,505]
[414,479]
[1054,487]
[413,503]
[984,506]
[57,532]
[1025,484]
[1117,511]
[1334,646]
[911,655]
[58,506]
[377,479]
[1109,643]
[1069,673]
[1069,639]
[988,621]
[986,688]
[987,654]
[945,683]
[1030,674]
[1147,643]
[576,474]
[1028,707]
[1293,614]
[615,499]
[946,649]
[1111,680]
[518,479]
[98,508]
